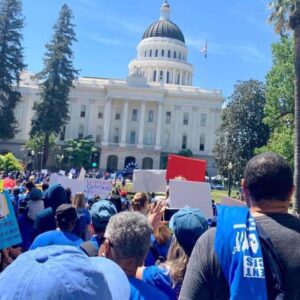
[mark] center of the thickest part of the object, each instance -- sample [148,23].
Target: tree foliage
[285,16]
[9,163]
[11,64]
[279,107]
[52,113]
[36,142]
[241,129]
[78,152]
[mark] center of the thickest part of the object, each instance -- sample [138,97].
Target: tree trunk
[45,150]
[296,28]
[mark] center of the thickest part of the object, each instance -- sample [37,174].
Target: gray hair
[129,233]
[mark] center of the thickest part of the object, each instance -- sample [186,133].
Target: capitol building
[155,111]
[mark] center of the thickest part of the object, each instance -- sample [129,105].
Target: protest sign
[9,229]
[192,194]
[62,173]
[82,174]
[76,186]
[98,187]
[149,181]
[44,172]
[1,186]
[232,202]
[189,168]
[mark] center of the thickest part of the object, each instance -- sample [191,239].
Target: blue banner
[9,229]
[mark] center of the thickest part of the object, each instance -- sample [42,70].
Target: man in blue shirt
[66,217]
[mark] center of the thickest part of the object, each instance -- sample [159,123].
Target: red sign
[190,169]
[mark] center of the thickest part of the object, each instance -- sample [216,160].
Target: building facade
[156,110]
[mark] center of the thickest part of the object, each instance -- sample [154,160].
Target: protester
[160,243]
[140,203]
[127,240]
[66,218]
[45,219]
[26,220]
[188,224]
[84,218]
[101,212]
[62,272]
[268,187]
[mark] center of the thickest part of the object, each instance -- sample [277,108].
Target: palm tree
[286,16]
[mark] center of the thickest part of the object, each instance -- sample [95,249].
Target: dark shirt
[205,280]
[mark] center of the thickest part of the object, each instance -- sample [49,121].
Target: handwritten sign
[82,174]
[9,229]
[98,187]
[1,186]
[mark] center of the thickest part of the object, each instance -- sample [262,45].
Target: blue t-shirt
[160,278]
[140,290]
[25,226]
[56,237]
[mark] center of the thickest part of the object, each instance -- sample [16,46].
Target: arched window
[112,163]
[178,78]
[150,53]
[175,55]
[162,52]
[147,163]
[145,53]
[179,55]
[169,53]
[156,52]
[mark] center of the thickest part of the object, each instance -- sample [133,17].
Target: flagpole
[203,50]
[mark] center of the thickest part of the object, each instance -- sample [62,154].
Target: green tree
[9,163]
[279,107]
[241,129]
[52,113]
[286,16]
[36,142]
[11,64]
[78,152]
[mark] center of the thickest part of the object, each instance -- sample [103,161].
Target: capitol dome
[162,55]
[164,28]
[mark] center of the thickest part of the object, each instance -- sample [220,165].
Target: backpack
[272,266]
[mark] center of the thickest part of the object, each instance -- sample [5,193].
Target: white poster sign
[76,186]
[192,194]
[151,181]
[44,171]
[98,187]
[62,173]
[232,202]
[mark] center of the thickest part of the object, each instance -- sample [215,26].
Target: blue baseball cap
[62,272]
[101,212]
[188,224]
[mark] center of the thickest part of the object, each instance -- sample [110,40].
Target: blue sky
[108,32]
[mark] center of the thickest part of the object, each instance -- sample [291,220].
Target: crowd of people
[121,248]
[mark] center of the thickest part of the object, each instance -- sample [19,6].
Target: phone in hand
[168,213]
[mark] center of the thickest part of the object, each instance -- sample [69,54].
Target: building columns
[158,128]
[107,121]
[124,124]
[142,125]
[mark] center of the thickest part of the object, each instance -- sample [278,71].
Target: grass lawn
[218,194]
